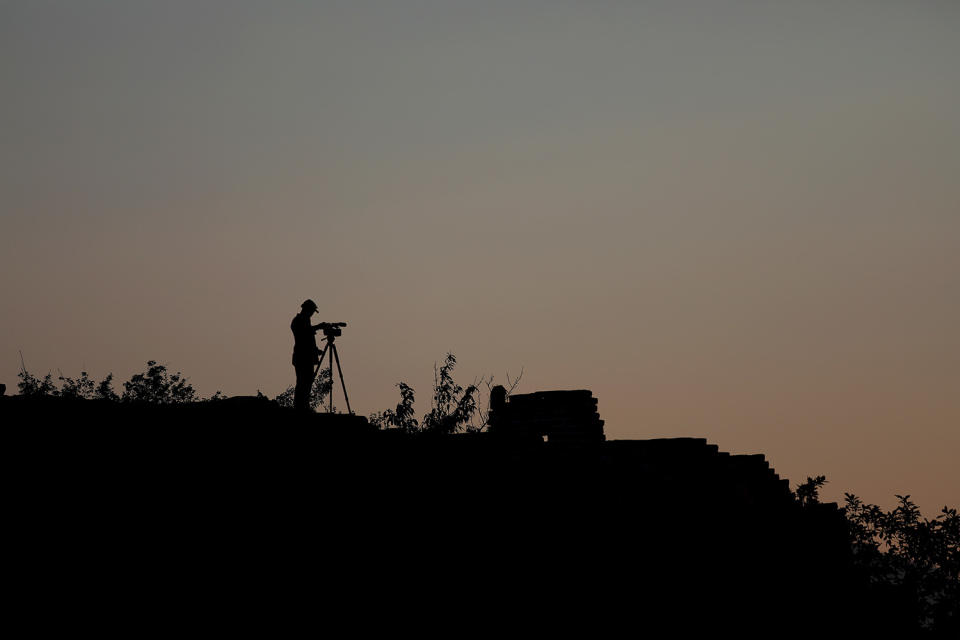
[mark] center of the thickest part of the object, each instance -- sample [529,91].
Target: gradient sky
[731,220]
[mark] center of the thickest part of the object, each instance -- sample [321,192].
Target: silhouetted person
[305,353]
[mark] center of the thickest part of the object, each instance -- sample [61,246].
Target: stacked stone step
[657,467]
[760,482]
[673,461]
[557,416]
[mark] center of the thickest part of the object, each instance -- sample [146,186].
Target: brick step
[548,422]
[552,395]
[516,413]
[548,405]
[579,435]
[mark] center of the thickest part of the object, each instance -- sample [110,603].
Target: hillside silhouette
[538,524]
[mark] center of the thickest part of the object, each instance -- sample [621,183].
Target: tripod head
[332,329]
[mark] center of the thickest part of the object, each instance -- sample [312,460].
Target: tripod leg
[342,383]
[333,349]
[316,371]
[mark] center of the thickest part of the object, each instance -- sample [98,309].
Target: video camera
[332,329]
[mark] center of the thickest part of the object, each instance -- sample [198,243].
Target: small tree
[401,417]
[900,548]
[156,386]
[451,410]
[452,405]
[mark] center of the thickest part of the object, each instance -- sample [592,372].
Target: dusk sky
[730,220]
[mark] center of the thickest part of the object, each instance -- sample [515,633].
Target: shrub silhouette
[30,385]
[156,386]
[83,387]
[400,418]
[901,550]
[809,491]
[105,389]
[451,410]
[452,405]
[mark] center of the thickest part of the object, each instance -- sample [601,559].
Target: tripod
[332,349]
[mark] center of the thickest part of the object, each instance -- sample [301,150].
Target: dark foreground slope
[239,513]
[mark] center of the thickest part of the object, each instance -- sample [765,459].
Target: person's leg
[301,393]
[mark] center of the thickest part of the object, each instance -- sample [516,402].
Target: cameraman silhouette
[305,353]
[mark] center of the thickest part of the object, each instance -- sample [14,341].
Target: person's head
[308,308]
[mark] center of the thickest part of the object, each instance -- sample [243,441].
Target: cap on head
[309,305]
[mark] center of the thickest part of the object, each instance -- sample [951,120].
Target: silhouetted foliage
[156,386]
[903,549]
[285,398]
[322,385]
[809,491]
[105,389]
[452,405]
[900,549]
[30,385]
[400,418]
[451,410]
[83,387]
